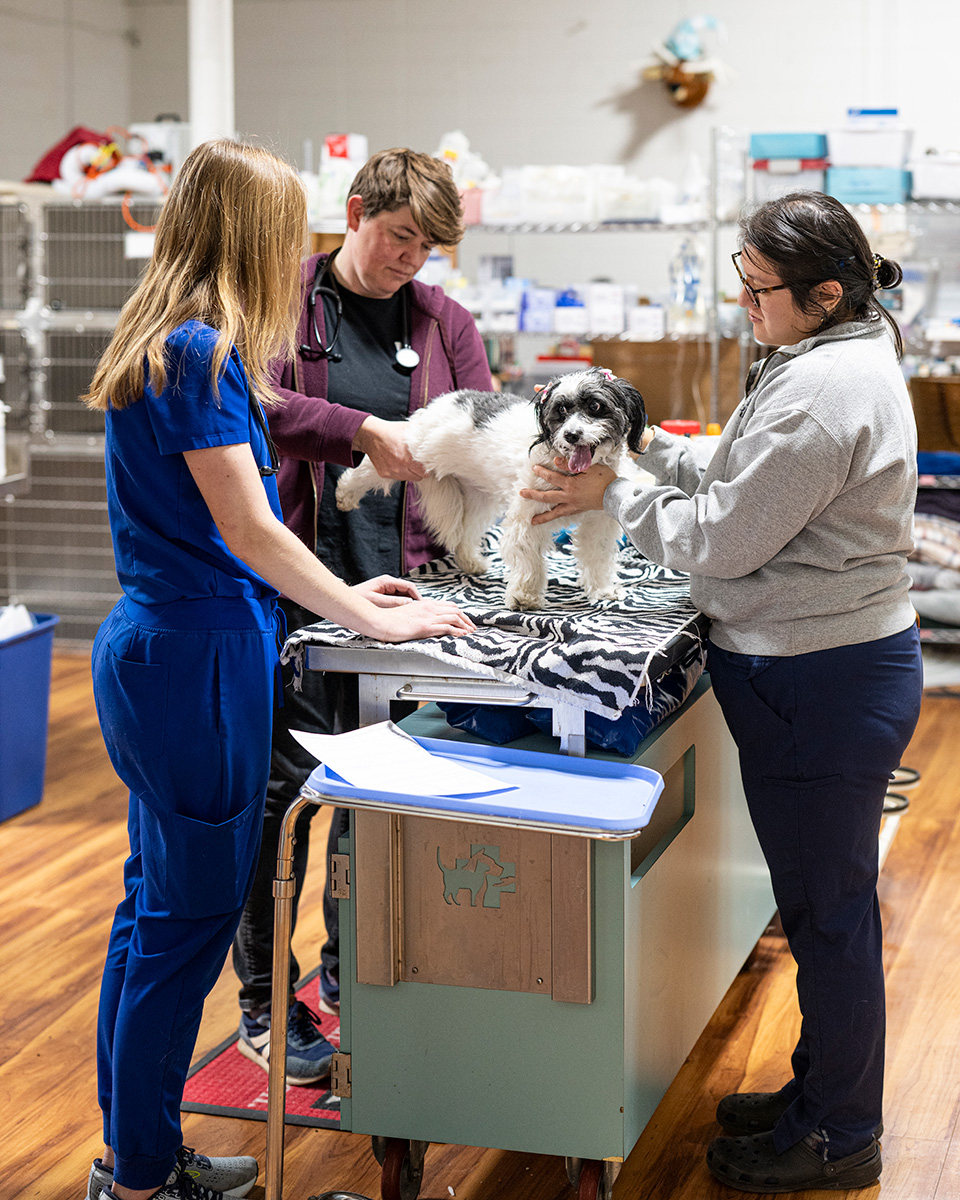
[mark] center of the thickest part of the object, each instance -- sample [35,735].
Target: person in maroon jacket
[375,344]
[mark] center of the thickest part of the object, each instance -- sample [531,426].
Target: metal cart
[547,1008]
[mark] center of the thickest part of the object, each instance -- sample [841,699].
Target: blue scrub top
[166,544]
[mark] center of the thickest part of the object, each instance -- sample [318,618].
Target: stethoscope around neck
[405,355]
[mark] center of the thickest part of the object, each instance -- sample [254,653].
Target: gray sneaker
[221,1176]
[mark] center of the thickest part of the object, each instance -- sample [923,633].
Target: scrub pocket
[132,709]
[195,869]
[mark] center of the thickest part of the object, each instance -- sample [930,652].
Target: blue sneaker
[309,1054]
[222,1176]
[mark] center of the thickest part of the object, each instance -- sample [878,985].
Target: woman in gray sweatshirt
[795,537]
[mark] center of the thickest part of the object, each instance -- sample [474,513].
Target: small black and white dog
[479,449]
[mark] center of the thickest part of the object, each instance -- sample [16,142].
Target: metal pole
[284,890]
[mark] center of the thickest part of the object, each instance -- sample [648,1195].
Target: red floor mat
[226,1084]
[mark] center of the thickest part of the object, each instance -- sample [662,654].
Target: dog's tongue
[580,459]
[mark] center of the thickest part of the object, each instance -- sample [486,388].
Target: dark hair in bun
[810,237]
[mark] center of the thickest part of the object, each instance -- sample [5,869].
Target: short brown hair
[399,178]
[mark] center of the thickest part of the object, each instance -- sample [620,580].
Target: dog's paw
[471,566]
[346,496]
[521,601]
[613,594]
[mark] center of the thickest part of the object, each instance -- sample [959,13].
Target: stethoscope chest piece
[407,357]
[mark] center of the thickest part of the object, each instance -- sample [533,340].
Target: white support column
[211,70]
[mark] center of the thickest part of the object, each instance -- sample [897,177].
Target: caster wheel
[592,1185]
[400,1176]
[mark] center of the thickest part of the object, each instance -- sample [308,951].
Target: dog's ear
[636,412]
[541,396]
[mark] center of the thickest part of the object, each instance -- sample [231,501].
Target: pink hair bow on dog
[607,374]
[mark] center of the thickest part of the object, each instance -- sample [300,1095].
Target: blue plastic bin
[788,145]
[24,707]
[868,185]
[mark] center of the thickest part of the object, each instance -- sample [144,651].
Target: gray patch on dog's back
[485,406]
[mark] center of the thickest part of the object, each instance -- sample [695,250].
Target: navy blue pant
[818,736]
[185,697]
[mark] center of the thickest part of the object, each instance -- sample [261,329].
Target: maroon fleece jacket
[309,430]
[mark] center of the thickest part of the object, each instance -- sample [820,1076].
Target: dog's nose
[571,436]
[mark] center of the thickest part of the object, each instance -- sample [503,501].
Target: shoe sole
[329,1006]
[255,1056]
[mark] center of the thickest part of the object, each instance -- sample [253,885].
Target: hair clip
[607,374]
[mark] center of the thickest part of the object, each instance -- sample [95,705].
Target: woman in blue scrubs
[185,666]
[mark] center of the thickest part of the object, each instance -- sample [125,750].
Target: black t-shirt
[365,542]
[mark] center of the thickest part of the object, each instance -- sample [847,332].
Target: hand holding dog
[569,494]
[385,444]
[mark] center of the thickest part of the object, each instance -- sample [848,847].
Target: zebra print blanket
[604,659]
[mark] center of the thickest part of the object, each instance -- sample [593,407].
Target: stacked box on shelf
[787,162]
[935,177]
[867,163]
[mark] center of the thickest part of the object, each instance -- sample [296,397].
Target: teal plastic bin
[24,707]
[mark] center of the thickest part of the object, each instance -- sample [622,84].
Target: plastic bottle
[687,310]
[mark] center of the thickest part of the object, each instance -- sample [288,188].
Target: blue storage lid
[788,145]
[552,792]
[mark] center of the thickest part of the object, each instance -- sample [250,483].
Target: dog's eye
[562,410]
[595,407]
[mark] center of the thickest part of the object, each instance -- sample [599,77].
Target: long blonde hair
[227,252]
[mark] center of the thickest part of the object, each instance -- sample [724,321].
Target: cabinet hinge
[340,876]
[340,1076]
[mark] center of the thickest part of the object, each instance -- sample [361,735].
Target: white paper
[382,758]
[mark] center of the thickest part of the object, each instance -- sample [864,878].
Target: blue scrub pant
[185,698]
[818,736]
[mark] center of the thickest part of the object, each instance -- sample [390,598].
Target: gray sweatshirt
[797,533]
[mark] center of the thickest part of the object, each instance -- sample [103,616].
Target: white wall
[554,80]
[62,63]
[527,80]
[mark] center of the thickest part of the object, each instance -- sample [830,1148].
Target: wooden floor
[60,880]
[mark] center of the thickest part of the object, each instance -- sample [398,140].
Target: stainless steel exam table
[548,1007]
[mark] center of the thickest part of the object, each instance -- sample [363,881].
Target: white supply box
[773,177]
[872,137]
[936,177]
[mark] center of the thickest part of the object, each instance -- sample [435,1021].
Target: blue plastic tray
[582,795]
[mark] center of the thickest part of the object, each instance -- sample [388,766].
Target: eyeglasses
[752,292]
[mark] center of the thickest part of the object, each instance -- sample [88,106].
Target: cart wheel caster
[402,1169]
[592,1185]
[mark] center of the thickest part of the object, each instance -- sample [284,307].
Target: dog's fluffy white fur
[479,449]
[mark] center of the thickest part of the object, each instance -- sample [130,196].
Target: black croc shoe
[757,1112]
[751,1164]
[751,1112]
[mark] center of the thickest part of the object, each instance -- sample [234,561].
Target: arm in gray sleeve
[775,478]
[669,460]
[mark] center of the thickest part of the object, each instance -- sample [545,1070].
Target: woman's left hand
[569,494]
[386,592]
